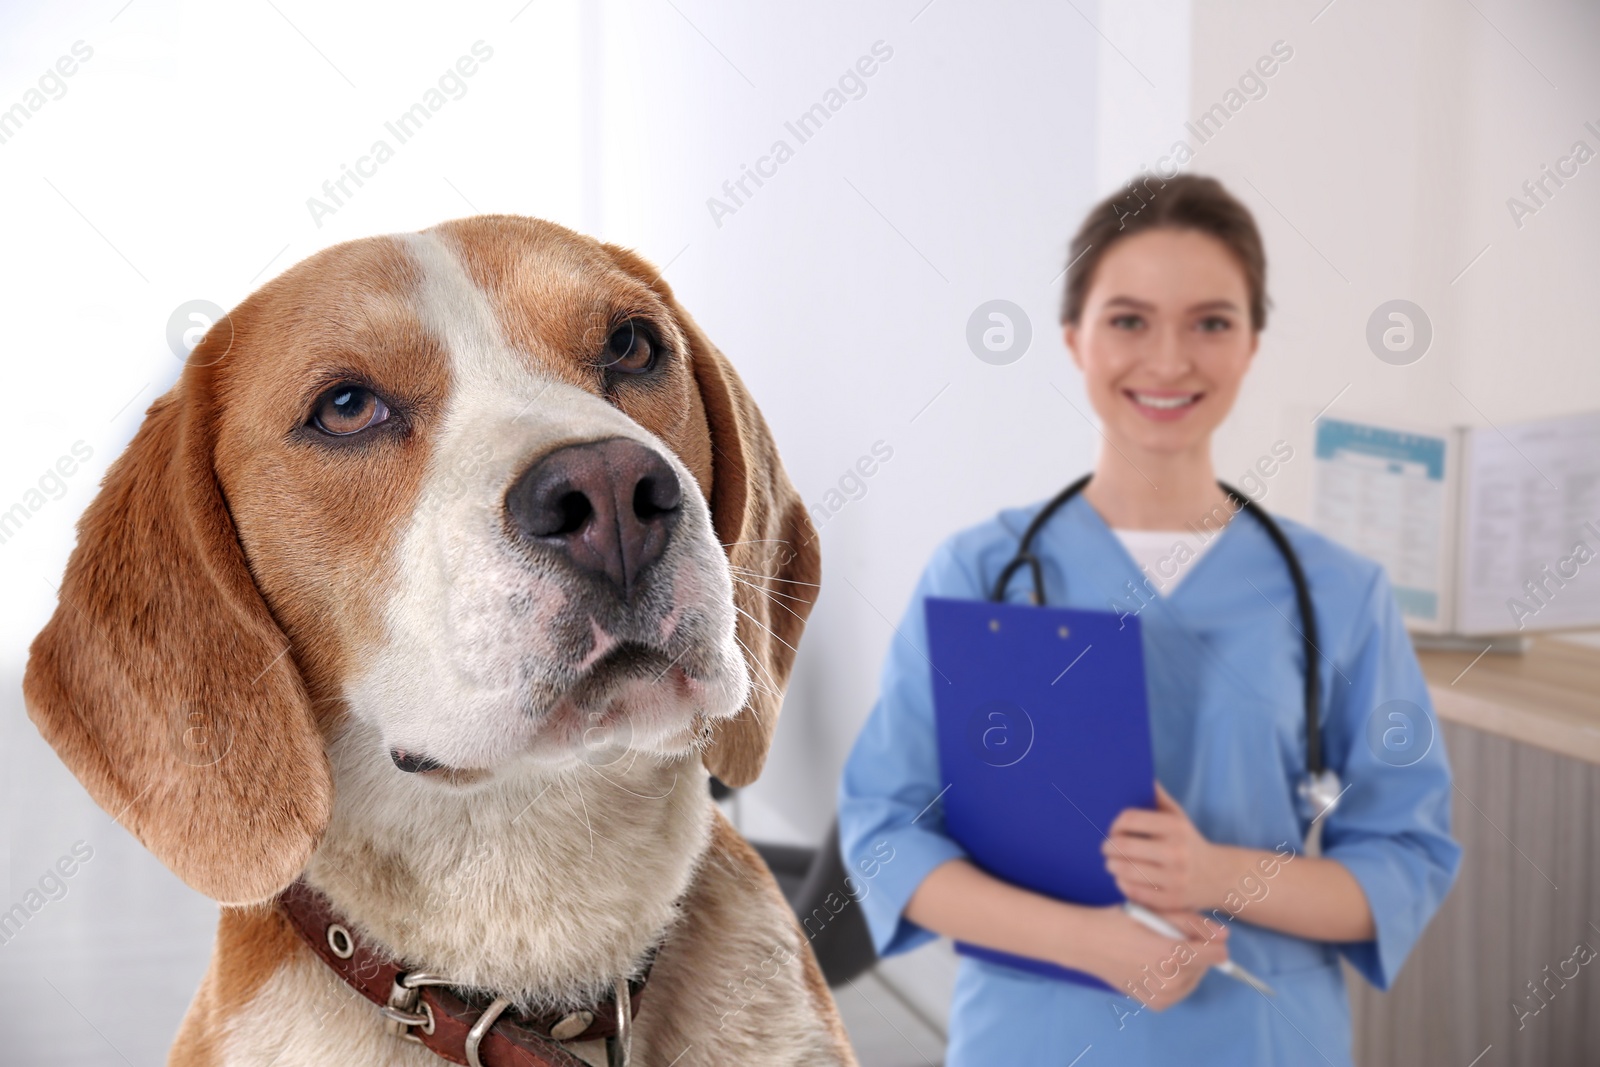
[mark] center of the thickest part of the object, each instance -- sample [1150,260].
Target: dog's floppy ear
[772,548]
[767,534]
[162,680]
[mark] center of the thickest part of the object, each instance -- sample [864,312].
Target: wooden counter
[1549,696]
[1523,734]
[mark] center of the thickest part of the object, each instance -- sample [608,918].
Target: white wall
[1384,153]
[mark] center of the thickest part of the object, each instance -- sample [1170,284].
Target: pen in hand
[1155,923]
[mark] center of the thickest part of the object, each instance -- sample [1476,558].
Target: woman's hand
[1158,971]
[1161,861]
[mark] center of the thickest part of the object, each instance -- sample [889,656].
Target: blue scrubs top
[1224,665]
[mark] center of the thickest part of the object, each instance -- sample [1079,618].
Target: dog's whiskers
[769,630]
[756,682]
[790,610]
[753,573]
[770,593]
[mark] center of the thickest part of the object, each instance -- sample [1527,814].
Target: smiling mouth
[1163,402]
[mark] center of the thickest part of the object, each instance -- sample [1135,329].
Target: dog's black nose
[609,505]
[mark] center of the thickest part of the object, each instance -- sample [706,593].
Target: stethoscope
[1318,790]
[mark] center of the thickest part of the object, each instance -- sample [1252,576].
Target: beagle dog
[433,589]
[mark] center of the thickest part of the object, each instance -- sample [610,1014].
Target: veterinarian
[1162,313]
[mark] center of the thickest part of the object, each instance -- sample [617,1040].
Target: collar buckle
[405,996]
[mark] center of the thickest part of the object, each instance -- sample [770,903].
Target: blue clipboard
[1044,738]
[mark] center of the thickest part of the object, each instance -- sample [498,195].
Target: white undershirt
[1165,556]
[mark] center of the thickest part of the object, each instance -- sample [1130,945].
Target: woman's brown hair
[1182,202]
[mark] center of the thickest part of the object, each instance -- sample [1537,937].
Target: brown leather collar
[429,1010]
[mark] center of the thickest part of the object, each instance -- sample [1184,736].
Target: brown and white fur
[260,618]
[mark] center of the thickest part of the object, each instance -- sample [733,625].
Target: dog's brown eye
[348,409]
[630,349]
